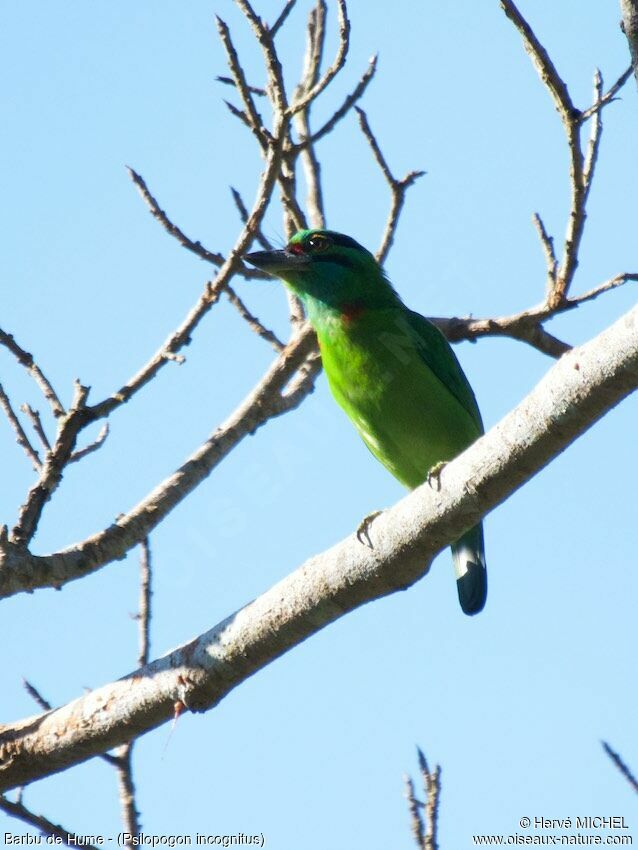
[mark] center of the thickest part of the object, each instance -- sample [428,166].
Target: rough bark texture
[580,388]
[629,11]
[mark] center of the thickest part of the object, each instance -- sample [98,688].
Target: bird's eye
[318,242]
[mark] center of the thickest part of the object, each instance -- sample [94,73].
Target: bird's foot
[363,532]
[434,475]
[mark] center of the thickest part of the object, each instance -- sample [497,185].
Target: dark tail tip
[472,588]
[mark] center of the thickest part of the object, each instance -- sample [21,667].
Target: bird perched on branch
[390,369]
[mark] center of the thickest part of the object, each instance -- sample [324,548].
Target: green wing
[440,359]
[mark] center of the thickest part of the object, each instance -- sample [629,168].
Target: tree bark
[629,11]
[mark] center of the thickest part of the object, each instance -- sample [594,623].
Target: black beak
[275,262]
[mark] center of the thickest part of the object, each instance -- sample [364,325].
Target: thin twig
[126,789]
[69,426]
[335,67]
[36,422]
[21,438]
[243,215]
[620,764]
[281,20]
[195,247]
[547,244]
[424,817]
[416,819]
[36,696]
[44,825]
[26,359]
[253,322]
[432,787]
[123,760]
[543,64]
[158,213]
[276,89]
[144,610]
[354,96]
[595,133]
[609,95]
[398,188]
[228,81]
[92,447]
[255,122]
[315,41]
[607,286]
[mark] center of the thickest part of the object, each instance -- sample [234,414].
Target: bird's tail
[471,574]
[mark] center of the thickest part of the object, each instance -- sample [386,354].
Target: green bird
[390,369]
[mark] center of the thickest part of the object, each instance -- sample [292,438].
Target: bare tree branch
[123,760]
[416,819]
[355,95]
[581,165]
[425,823]
[36,422]
[228,81]
[254,119]
[629,25]
[432,787]
[547,244]
[543,64]
[20,570]
[398,188]
[312,63]
[25,359]
[21,438]
[92,447]
[575,393]
[181,336]
[69,426]
[526,326]
[45,826]
[36,696]
[243,215]
[606,98]
[281,20]
[335,67]
[158,213]
[620,764]
[252,321]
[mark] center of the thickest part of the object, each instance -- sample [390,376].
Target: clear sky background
[311,751]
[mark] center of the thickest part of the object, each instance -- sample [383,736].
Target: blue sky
[311,751]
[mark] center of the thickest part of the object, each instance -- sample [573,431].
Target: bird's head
[326,267]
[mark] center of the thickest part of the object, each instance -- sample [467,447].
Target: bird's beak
[274,262]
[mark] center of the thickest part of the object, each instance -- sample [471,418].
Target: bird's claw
[363,531]
[434,475]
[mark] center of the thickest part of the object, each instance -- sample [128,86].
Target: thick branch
[578,390]
[629,11]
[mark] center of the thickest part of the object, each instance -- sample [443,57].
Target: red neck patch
[352,311]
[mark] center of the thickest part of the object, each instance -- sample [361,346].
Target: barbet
[390,369]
